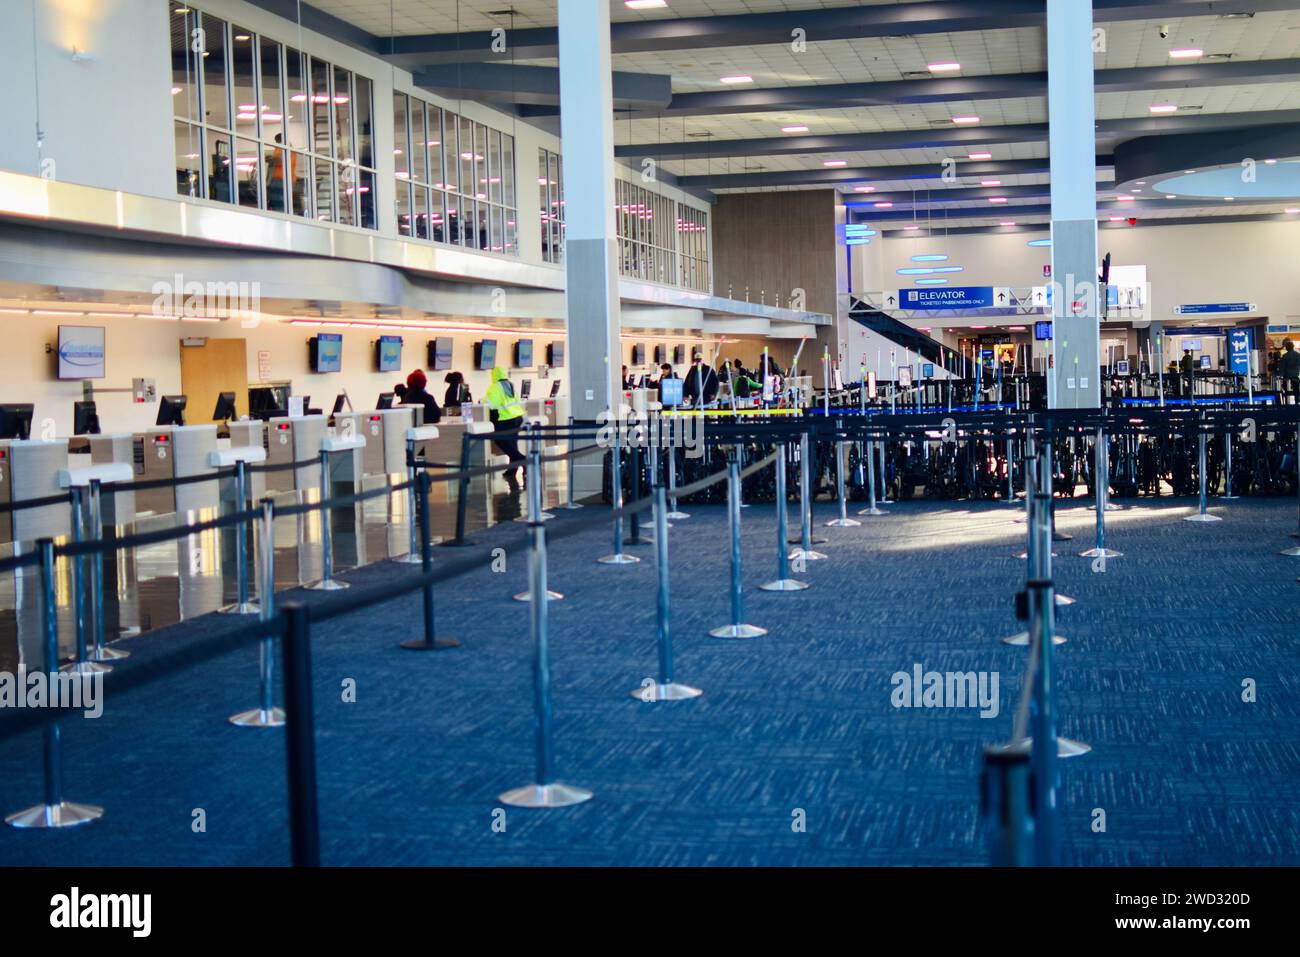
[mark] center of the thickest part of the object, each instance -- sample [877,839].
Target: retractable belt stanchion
[783,580]
[243,605]
[1049,486]
[1011,465]
[884,475]
[300,746]
[736,629]
[1005,805]
[568,473]
[265,715]
[1101,485]
[430,642]
[674,513]
[413,554]
[534,509]
[83,664]
[634,460]
[1294,550]
[54,811]
[1201,514]
[843,520]
[546,792]
[805,542]
[616,497]
[871,509]
[533,471]
[665,689]
[1227,466]
[1038,554]
[327,581]
[99,651]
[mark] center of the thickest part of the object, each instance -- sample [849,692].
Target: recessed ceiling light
[980,156]
[948,67]
[911,228]
[1117,219]
[1006,222]
[990,182]
[645,4]
[883,205]
[1124,198]
[1190,53]
[864,189]
[1170,196]
[1291,210]
[997,199]
[1141,182]
[965,120]
[1229,199]
[835,162]
[1269,162]
[1163,108]
[736,78]
[1189,172]
[794,129]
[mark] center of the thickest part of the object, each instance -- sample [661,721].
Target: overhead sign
[1239,351]
[948,297]
[1203,308]
[81,352]
[1002,297]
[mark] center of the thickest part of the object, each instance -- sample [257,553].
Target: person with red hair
[417,394]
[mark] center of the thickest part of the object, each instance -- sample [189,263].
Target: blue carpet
[794,725]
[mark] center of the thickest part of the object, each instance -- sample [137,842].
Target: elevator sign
[954,297]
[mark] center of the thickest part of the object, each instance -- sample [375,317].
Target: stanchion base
[1065,747]
[618,560]
[328,584]
[257,718]
[1198,517]
[438,644]
[544,517]
[1062,537]
[571,505]
[1062,600]
[812,540]
[1101,553]
[1294,551]
[642,540]
[842,523]
[545,795]
[1023,555]
[463,543]
[807,554]
[241,608]
[872,511]
[86,668]
[668,692]
[738,631]
[1021,640]
[105,653]
[676,515]
[410,558]
[784,584]
[527,596]
[63,814]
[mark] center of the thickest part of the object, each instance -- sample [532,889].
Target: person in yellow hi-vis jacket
[507,412]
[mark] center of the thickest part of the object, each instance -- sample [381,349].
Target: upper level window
[266,126]
[455,178]
[550,191]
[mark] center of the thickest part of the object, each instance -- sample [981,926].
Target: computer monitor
[525,388]
[1042,330]
[340,400]
[524,354]
[439,353]
[385,400]
[388,354]
[267,401]
[84,419]
[555,388]
[1205,362]
[325,352]
[555,355]
[225,410]
[171,410]
[670,391]
[661,355]
[485,354]
[638,354]
[16,420]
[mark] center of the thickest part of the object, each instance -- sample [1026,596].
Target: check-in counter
[250,432]
[294,439]
[385,433]
[347,461]
[29,468]
[173,452]
[115,449]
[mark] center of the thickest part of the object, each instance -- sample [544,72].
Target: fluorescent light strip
[930,258]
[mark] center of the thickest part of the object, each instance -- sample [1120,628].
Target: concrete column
[590,251]
[1072,146]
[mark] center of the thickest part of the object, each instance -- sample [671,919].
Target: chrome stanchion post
[871,480]
[665,689]
[884,475]
[99,652]
[568,473]
[533,471]
[805,550]
[242,605]
[82,664]
[1005,803]
[266,714]
[783,580]
[266,593]
[300,744]
[327,582]
[53,811]
[1011,465]
[1100,482]
[546,792]
[843,521]
[413,554]
[616,498]
[1201,515]
[1038,541]
[429,642]
[674,513]
[1227,466]
[736,629]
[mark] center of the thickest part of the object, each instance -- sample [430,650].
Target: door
[216,366]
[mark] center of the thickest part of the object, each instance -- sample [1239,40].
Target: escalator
[902,335]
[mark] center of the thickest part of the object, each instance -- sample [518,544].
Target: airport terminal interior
[650,433]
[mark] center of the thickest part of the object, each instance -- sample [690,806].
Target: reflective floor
[153,586]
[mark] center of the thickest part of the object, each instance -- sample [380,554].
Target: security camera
[1164,31]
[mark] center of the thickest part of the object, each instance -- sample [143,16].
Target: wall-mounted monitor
[1043,330]
[326,352]
[679,355]
[555,355]
[388,354]
[440,353]
[485,354]
[524,354]
[661,355]
[81,352]
[638,354]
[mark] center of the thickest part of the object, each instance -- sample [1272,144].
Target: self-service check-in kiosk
[29,469]
[294,439]
[173,452]
[385,433]
[243,434]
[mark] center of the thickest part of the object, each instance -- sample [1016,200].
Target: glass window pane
[418,166]
[248,165]
[482,220]
[185,62]
[243,74]
[465,185]
[366,214]
[494,167]
[272,106]
[299,194]
[437,216]
[453,219]
[345,175]
[364,114]
[450,163]
[323,188]
[420,211]
[433,145]
[216,105]
[343,115]
[401,142]
[508,170]
[296,98]
[402,204]
[496,228]
[189,151]
[480,163]
[512,235]
[220,169]
[321,137]
[277,183]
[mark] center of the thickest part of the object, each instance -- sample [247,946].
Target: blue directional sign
[947,297]
[1204,308]
[1239,351]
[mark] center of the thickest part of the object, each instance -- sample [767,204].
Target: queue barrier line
[342,501]
[140,539]
[15,562]
[42,502]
